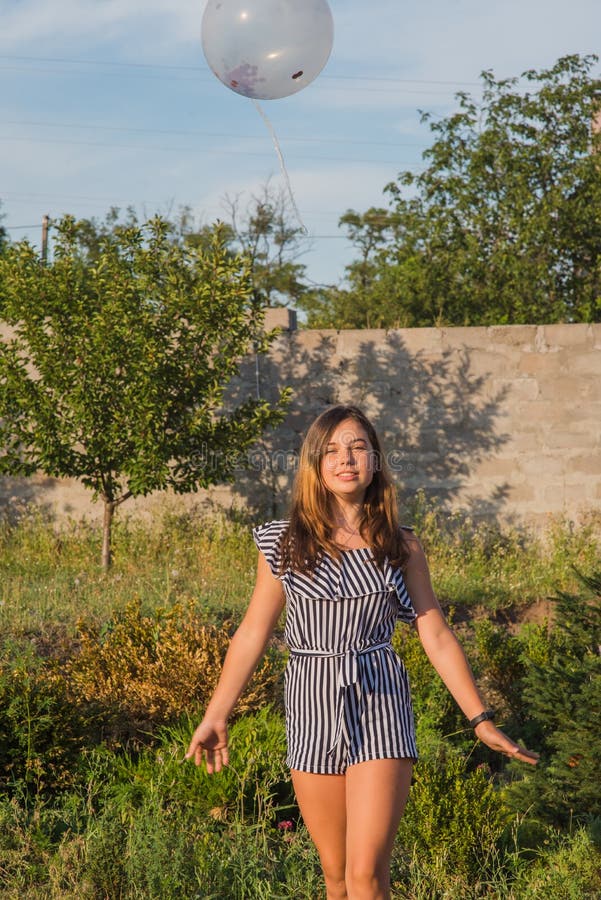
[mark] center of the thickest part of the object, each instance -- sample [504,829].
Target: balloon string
[278,150]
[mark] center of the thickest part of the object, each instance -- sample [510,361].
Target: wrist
[486,716]
[217,716]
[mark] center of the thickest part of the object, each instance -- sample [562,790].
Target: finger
[222,759]
[193,748]
[528,756]
[210,760]
[523,754]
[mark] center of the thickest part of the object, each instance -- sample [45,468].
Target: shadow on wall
[16,495]
[436,418]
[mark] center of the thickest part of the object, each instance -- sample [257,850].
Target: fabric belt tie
[357,669]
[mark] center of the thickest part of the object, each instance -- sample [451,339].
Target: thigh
[376,794]
[322,802]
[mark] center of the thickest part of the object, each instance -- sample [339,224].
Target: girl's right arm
[246,649]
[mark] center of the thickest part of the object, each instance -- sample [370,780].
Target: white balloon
[266,49]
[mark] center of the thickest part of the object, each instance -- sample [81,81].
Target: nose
[346,454]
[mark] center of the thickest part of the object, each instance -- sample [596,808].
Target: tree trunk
[109,509]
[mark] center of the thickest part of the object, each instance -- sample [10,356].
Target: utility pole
[45,224]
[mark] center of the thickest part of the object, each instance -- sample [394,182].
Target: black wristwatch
[483,717]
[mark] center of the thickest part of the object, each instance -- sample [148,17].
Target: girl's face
[347,465]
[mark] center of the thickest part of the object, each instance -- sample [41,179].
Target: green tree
[116,371]
[263,229]
[4,239]
[361,303]
[92,234]
[503,225]
[563,697]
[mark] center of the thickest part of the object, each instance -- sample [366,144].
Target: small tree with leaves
[502,226]
[114,370]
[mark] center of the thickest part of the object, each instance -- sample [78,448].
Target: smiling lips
[346,476]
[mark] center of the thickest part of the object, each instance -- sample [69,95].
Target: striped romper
[346,690]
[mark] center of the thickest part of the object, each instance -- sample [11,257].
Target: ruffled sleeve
[396,582]
[268,539]
[406,612]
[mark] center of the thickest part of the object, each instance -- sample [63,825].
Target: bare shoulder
[419,584]
[417,557]
[267,599]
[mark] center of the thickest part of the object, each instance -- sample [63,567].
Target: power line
[218,150]
[209,211]
[204,71]
[305,237]
[212,134]
[19,227]
[207,77]
[300,237]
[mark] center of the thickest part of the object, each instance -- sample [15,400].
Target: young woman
[346,572]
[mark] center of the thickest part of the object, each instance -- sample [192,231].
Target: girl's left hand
[494,738]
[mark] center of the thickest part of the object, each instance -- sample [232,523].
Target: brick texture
[504,421]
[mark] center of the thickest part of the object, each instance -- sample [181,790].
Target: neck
[347,513]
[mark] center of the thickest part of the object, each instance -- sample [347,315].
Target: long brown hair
[309,534]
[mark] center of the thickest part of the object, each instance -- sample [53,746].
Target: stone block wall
[503,421]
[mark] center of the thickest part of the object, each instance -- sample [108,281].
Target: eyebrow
[354,441]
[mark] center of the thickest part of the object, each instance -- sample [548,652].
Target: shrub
[140,671]
[116,684]
[453,817]
[564,700]
[166,829]
[41,734]
[255,784]
[568,868]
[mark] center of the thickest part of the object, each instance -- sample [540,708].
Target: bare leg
[376,794]
[322,802]
[353,820]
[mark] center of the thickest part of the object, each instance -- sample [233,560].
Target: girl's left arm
[446,654]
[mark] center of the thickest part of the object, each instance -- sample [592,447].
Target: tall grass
[149,826]
[90,810]
[49,579]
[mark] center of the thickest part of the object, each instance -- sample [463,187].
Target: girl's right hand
[210,739]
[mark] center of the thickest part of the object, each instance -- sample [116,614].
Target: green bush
[162,828]
[563,693]
[567,868]
[454,818]
[41,733]
[256,785]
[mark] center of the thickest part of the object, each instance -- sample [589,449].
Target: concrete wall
[503,421]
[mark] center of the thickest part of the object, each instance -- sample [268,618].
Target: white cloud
[432,40]
[453,40]
[321,194]
[161,23]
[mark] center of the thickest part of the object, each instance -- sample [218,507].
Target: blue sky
[111,103]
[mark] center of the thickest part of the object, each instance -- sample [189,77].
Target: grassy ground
[95,693]
[49,579]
